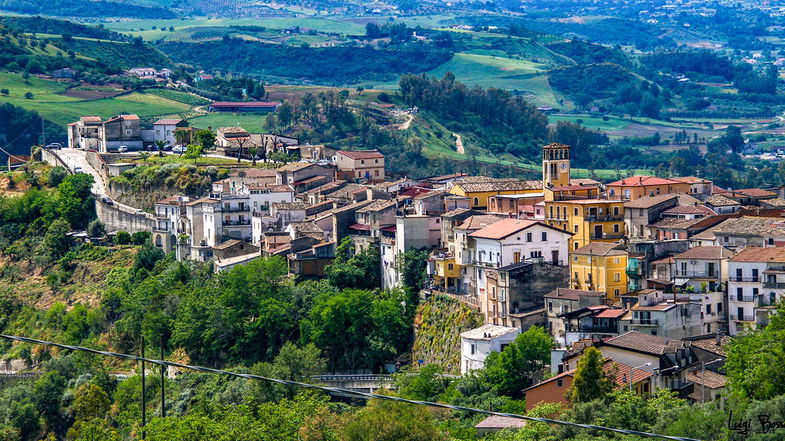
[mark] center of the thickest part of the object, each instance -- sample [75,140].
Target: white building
[756,284]
[516,240]
[478,343]
[702,268]
[164,129]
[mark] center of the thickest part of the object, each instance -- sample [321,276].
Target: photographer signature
[744,427]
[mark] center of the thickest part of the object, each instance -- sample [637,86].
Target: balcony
[737,299]
[645,322]
[606,218]
[744,279]
[597,329]
[240,222]
[607,236]
[696,274]
[742,318]
[239,209]
[774,285]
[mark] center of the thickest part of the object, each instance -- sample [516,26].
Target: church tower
[555,165]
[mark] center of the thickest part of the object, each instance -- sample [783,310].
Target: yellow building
[479,192]
[599,267]
[446,272]
[636,187]
[590,220]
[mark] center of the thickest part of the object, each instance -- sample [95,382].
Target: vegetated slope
[332,65]
[582,52]
[84,8]
[41,25]
[117,54]
[596,80]
[438,324]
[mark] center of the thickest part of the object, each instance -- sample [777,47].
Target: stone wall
[528,288]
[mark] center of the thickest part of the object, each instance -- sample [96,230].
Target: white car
[122,149]
[178,149]
[78,169]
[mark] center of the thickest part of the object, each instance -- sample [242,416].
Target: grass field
[619,127]
[251,122]
[61,109]
[144,29]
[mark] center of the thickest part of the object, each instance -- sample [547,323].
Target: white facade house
[164,129]
[512,241]
[702,268]
[478,343]
[755,286]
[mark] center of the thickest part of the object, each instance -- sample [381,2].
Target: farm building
[251,106]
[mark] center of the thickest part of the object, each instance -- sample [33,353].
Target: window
[615,211]
[559,383]
[472,349]
[477,202]
[362,162]
[550,306]
[575,211]
[375,161]
[740,294]
[640,212]
[616,277]
[615,228]
[575,227]
[450,266]
[544,236]
[708,309]
[719,307]
[616,292]
[528,237]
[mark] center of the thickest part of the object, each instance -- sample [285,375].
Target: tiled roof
[668,259]
[755,193]
[430,194]
[649,201]
[253,173]
[600,249]
[755,226]
[169,121]
[456,212]
[618,371]
[500,422]
[289,205]
[710,252]
[708,342]
[229,243]
[711,379]
[690,209]
[361,154]
[295,166]
[649,344]
[378,205]
[236,130]
[718,200]
[641,181]
[690,179]
[478,221]
[757,254]
[503,228]
[305,227]
[610,313]
[572,294]
[775,202]
[658,307]
[479,187]
[676,223]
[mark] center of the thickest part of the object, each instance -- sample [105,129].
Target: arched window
[158,241]
[476,201]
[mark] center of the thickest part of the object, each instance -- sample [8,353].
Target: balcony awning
[361,227]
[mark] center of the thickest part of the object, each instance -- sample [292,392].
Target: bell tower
[555,165]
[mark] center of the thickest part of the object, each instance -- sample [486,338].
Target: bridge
[359,383]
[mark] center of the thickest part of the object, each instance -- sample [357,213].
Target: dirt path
[408,123]
[459,144]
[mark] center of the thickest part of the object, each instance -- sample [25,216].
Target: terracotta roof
[649,344]
[618,371]
[169,121]
[229,243]
[90,119]
[642,181]
[572,294]
[754,226]
[500,422]
[690,179]
[289,205]
[610,313]
[456,212]
[361,154]
[234,130]
[488,332]
[775,202]
[378,205]
[710,252]
[295,166]
[504,228]
[429,194]
[658,307]
[253,173]
[718,200]
[478,221]
[708,342]
[690,209]
[755,193]
[479,187]
[600,249]
[711,379]
[649,201]
[756,254]
[305,227]
[676,223]
[668,259]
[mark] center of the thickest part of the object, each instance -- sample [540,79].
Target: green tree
[56,240]
[412,267]
[425,384]
[160,145]
[96,228]
[75,201]
[354,270]
[90,402]
[292,363]
[122,238]
[387,421]
[56,176]
[92,430]
[182,137]
[285,114]
[590,381]
[29,95]
[47,394]
[519,364]
[205,138]
[193,151]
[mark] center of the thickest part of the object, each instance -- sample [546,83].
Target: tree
[96,228]
[519,364]
[122,238]
[75,200]
[144,155]
[26,77]
[92,430]
[253,151]
[182,137]
[56,240]
[425,384]
[270,122]
[56,176]
[193,151]
[590,381]
[412,266]
[205,138]
[160,145]
[29,95]
[292,363]
[733,138]
[4,92]
[387,421]
[47,393]
[285,114]
[90,402]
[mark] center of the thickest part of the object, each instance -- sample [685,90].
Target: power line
[339,391]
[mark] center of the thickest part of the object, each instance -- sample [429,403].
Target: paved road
[76,158]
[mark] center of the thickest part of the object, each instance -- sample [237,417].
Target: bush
[96,228]
[122,238]
[56,176]
[140,237]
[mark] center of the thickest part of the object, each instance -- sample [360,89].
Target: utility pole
[144,395]
[163,385]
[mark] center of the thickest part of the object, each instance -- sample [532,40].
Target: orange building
[635,187]
[553,389]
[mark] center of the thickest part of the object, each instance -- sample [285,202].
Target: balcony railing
[235,209]
[237,222]
[744,279]
[774,285]
[645,322]
[596,329]
[735,298]
[607,236]
[742,318]
[606,218]
[696,274]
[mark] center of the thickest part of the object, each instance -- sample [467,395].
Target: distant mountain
[84,9]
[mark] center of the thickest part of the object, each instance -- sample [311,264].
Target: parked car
[122,149]
[54,146]
[78,169]
[178,149]
[107,200]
